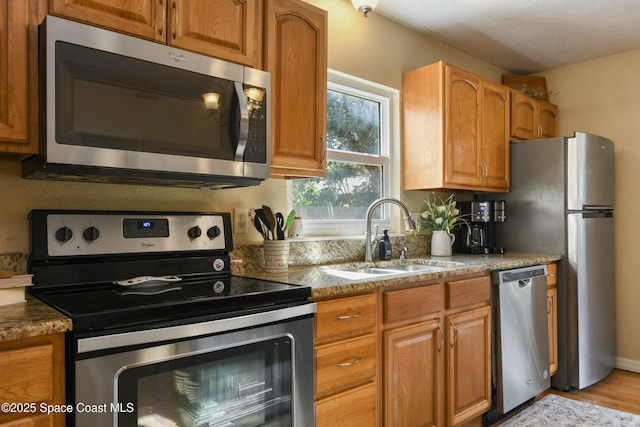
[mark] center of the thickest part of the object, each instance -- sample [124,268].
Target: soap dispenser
[384,247]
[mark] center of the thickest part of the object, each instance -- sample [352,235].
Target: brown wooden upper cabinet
[226,29]
[455,130]
[296,57]
[19,76]
[533,119]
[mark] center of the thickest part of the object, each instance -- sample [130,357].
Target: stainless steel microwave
[119,109]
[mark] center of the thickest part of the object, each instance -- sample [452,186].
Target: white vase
[441,242]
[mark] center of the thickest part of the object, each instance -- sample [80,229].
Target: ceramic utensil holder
[276,256]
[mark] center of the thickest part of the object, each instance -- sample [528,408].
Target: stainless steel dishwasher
[521,343]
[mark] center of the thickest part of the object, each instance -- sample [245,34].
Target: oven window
[111,101]
[248,385]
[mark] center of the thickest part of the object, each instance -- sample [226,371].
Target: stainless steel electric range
[163,333]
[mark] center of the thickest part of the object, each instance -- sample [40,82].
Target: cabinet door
[297,61]
[524,124]
[552,322]
[548,119]
[32,370]
[468,364]
[494,146]
[38,421]
[142,18]
[462,127]
[227,29]
[18,78]
[413,375]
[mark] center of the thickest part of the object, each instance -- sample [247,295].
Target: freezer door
[590,297]
[589,172]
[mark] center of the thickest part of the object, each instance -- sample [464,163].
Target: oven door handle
[125,339]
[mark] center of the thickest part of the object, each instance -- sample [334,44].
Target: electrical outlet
[240,220]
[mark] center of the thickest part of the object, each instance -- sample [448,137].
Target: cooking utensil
[271,220]
[290,218]
[260,227]
[265,223]
[280,225]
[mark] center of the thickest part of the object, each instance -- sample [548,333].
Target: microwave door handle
[244,122]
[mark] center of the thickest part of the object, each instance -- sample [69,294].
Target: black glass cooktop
[108,306]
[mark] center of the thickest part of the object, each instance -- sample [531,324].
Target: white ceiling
[524,36]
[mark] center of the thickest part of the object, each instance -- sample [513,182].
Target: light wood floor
[620,390]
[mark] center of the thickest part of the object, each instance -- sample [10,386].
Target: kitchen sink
[388,269]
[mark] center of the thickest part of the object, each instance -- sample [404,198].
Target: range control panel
[73,233]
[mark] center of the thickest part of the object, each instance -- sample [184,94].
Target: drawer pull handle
[551,275]
[351,363]
[350,316]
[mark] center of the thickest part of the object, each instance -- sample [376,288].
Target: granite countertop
[324,284]
[33,317]
[29,319]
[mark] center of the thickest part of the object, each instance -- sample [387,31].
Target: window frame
[389,101]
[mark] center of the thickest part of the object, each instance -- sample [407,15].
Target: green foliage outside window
[353,125]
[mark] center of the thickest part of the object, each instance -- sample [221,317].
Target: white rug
[557,411]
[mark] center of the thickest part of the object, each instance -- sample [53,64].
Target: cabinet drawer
[552,274]
[345,316]
[352,408]
[345,363]
[410,303]
[468,291]
[26,374]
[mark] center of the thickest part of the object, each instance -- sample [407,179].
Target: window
[359,156]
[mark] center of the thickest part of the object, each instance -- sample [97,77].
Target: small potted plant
[440,217]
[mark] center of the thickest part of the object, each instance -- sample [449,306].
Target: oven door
[256,376]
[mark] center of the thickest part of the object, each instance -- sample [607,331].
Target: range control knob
[213,232]
[64,234]
[194,232]
[91,234]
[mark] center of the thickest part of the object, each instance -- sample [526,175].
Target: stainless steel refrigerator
[561,201]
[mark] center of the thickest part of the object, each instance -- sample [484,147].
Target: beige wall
[603,97]
[356,46]
[600,96]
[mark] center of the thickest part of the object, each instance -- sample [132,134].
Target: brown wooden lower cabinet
[468,364]
[32,372]
[346,356]
[41,421]
[552,315]
[416,355]
[437,353]
[414,375]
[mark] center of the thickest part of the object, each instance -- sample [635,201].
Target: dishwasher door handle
[524,283]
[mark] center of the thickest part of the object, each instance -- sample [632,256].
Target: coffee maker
[478,235]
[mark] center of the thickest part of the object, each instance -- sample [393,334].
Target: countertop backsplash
[313,252]
[14,262]
[301,252]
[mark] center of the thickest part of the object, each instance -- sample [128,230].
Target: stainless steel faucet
[369,243]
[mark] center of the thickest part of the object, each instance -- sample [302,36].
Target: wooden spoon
[271,220]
